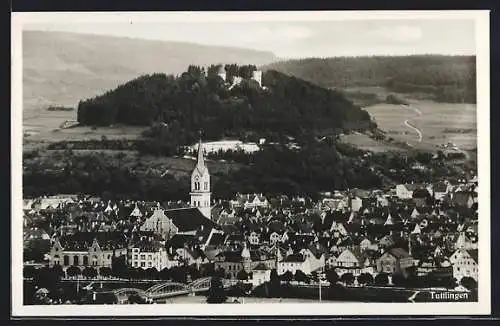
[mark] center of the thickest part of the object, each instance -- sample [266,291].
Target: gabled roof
[317,251]
[82,241]
[297,257]
[216,239]
[261,267]
[440,187]
[413,186]
[189,219]
[398,253]
[474,254]
[180,240]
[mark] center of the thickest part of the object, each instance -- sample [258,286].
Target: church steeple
[200,162]
[200,184]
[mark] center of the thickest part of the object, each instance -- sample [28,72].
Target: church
[200,185]
[190,220]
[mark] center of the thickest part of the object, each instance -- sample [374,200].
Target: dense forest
[200,100]
[320,166]
[444,78]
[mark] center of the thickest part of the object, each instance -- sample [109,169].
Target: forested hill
[445,78]
[202,100]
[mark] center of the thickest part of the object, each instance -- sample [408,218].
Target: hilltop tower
[200,185]
[257,76]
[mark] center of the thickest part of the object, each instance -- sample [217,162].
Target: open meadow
[427,124]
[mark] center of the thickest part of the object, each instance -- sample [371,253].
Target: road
[409,125]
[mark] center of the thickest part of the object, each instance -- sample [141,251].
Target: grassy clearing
[364,142]
[435,122]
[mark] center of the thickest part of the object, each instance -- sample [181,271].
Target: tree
[398,280]
[58,271]
[347,278]
[242,275]
[449,282]
[105,271]
[365,278]
[468,283]
[136,299]
[274,284]
[382,279]
[220,272]
[194,272]
[332,276]
[119,266]
[300,276]
[46,278]
[165,274]
[179,274]
[287,276]
[216,293]
[73,271]
[89,272]
[29,271]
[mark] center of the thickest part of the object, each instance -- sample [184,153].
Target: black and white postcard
[287,163]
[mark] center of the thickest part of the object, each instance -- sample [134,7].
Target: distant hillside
[285,106]
[61,68]
[443,78]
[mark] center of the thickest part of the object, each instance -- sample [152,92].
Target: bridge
[169,289]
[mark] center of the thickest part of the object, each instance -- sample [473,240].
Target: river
[202,299]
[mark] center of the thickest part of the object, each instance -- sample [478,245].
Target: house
[356,204]
[52,202]
[136,212]
[274,238]
[441,189]
[232,261]
[260,274]
[254,238]
[214,240]
[190,255]
[249,201]
[382,201]
[35,233]
[351,261]
[466,241]
[366,244]
[465,264]
[159,223]
[386,241]
[292,263]
[405,191]
[463,198]
[84,249]
[331,262]
[150,253]
[394,261]
[421,197]
[315,256]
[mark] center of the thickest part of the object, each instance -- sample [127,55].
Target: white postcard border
[482,307]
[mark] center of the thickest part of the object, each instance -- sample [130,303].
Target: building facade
[86,249]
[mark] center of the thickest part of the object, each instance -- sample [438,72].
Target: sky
[299,39]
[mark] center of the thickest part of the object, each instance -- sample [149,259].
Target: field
[435,123]
[41,126]
[364,142]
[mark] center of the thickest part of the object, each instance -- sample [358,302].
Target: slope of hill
[441,78]
[62,68]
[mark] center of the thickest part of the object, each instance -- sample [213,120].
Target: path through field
[409,125]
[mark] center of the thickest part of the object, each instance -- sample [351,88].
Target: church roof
[189,219]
